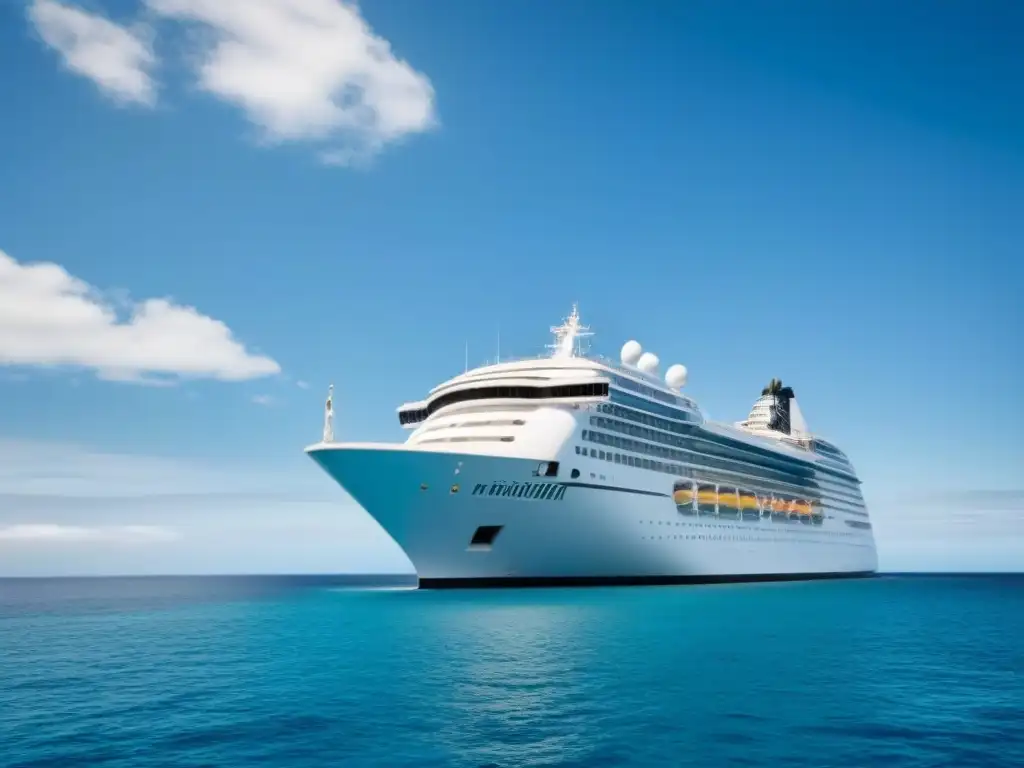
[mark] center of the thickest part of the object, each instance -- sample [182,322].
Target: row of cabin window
[844,482]
[633,461]
[637,447]
[827,461]
[760,454]
[840,488]
[635,431]
[687,456]
[752,453]
[645,418]
[767,475]
[657,466]
[412,417]
[747,452]
[636,386]
[592,389]
[647,405]
[828,450]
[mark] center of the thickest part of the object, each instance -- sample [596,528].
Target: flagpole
[329,416]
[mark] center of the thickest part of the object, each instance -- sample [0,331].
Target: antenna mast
[568,334]
[329,416]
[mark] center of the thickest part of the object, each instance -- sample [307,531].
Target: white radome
[675,376]
[631,352]
[648,362]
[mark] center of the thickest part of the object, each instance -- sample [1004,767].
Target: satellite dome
[631,352]
[648,362]
[675,376]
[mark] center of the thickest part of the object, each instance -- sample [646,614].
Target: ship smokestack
[779,418]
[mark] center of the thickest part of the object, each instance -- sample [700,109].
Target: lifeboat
[684,497]
[707,499]
[749,505]
[728,503]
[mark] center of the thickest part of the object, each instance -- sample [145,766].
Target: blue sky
[209,212]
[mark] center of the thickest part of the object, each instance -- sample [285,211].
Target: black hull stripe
[622,581]
[614,488]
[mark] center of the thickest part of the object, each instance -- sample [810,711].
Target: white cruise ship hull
[621,527]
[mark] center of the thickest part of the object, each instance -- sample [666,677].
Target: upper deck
[566,374]
[570,376]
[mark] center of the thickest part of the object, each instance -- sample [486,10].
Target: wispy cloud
[263,400]
[49,317]
[953,515]
[54,536]
[72,509]
[117,59]
[977,499]
[51,533]
[307,71]
[51,469]
[955,529]
[301,384]
[100,508]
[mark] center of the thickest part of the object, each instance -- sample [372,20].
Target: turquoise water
[894,671]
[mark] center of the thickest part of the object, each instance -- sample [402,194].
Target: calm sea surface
[893,671]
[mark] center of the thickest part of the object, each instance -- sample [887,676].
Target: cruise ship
[579,470]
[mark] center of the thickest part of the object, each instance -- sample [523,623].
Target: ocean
[315,671]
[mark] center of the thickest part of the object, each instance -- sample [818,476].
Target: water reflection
[788,674]
[521,677]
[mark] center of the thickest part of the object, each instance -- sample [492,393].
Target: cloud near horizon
[302,71]
[51,533]
[68,509]
[956,529]
[52,469]
[117,59]
[290,518]
[51,318]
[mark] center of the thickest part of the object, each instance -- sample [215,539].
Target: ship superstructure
[576,469]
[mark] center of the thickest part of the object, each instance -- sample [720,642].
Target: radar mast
[328,436]
[568,334]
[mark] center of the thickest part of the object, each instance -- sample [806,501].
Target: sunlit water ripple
[895,671]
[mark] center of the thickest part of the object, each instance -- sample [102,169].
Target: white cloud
[48,317]
[263,399]
[50,533]
[301,384]
[65,509]
[199,536]
[955,529]
[307,70]
[117,59]
[46,468]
